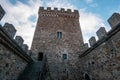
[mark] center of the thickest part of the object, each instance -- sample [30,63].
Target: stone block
[55,9]
[19,40]
[62,9]
[30,52]
[101,33]
[85,46]
[2,12]
[76,11]
[48,8]
[25,47]
[9,28]
[92,41]
[41,8]
[114,20]
[69,10]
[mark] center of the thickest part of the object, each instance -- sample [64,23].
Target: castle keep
[58,51]
[58,35]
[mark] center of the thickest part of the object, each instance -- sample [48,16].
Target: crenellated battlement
[9,31]
[102,34]
[58,13]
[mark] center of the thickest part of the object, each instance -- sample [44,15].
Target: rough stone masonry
[58,35]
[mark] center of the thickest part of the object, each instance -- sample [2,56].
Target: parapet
[114,20]
[61,13]
[10,31]
[9,28]
[85,46]
[19,40]
[2,12]
[103,36]
[101,33]
[92,41]
[7,33]
[25,47]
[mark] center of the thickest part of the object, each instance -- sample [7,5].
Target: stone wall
[11,64]
[13,58]
[102,60]
[13,53]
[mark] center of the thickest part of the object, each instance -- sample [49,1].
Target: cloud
[20,15]
[61,4]
[89,1]
[24,17]
[90,23]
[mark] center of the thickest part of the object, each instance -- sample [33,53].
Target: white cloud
[19,14]
[60,4]
[90,23]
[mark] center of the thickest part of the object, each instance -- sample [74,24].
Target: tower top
[61,13]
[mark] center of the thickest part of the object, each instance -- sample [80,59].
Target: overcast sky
[23,14]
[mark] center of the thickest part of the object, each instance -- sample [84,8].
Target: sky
[23,14]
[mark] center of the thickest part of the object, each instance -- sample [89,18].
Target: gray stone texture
[19,40]
[92,41]
[86,45]
[9,28]
[45,40]
[25,47]
[114,20]
[103,62]
[11,65]
[101,33]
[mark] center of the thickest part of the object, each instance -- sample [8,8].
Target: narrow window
[87,77]
[59,35]
[64,56]
[40,56]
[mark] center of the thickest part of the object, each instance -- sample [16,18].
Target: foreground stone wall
[11,64]
[13,57]
[102,60]
[13,53]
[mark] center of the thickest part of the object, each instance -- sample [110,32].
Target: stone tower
[58,36]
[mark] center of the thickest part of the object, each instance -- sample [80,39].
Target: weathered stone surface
[101,33]
[103,62]
[25,47]
[10,64]
[51,24]
[92,41]
[9,28]
[86,45]
[114,20]
[19,40]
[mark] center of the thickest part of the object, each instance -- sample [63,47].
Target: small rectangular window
[59,35]
[64,56]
